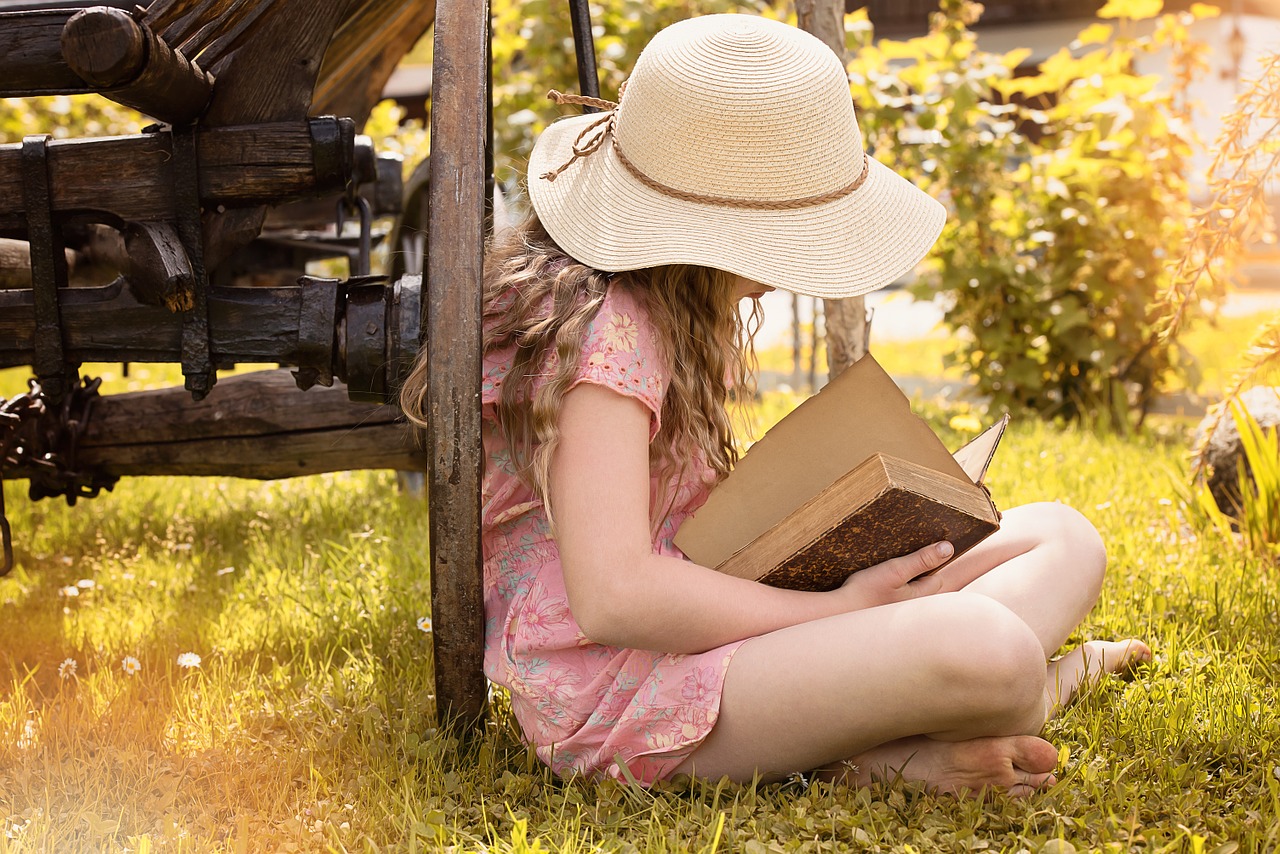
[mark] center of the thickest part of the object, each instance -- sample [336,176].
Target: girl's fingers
[910,567]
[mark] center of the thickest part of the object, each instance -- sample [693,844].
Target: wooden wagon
[258,106]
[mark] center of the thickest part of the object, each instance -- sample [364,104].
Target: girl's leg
[948,689]
[954,667]
[1046,564]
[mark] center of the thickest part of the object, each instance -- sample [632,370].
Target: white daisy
[424,624]
[67,668]
[188,659]
[130,665]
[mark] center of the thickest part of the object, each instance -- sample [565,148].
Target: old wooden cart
[139,248]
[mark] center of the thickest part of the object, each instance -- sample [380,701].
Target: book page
[975,456]
[859,413]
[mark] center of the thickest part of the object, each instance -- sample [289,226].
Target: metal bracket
[316,331]
[360,267]
[48,265]
[197,350]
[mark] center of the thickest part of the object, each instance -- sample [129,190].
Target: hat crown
[740,107]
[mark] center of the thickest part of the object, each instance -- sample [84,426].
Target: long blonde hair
[543,301]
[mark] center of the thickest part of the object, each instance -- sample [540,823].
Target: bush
[1067,197]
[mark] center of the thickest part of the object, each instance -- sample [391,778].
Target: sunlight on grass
[196,664]
[308,723]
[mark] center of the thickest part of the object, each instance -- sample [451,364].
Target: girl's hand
[899,579]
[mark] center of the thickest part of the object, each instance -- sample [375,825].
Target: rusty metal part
[361,262]
[317,322]
[405,329]
[6,536]
[197,358]
[39,441]
[365,340]
[48,264]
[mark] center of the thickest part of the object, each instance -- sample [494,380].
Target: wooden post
[451,329]
[846,319]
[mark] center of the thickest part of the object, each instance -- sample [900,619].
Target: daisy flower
[188,659]
[67,668]
[424,624]
[130,665]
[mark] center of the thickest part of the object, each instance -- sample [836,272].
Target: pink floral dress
[587,708]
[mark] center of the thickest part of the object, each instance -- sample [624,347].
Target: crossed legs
[949,689]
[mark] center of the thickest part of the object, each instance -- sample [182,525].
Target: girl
[733,165]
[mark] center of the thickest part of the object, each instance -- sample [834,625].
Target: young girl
[733,165]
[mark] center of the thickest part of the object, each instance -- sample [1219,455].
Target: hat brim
[605,217]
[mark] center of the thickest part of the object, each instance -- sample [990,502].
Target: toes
[1034,755]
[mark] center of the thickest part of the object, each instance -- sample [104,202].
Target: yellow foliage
[1096,33]
[1134,9]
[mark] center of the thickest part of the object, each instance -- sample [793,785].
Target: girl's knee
[1070,533]
[987,652]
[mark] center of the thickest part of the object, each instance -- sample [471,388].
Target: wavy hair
[542,301]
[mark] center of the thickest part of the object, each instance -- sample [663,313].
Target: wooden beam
[451,336]
[109,324]
[256,425]
[31,62]
[128,63]
[132,176]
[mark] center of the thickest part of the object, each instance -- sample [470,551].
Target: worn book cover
[850,478]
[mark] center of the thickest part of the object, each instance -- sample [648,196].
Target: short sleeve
[619,352]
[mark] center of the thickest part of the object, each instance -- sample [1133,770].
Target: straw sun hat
[735,146]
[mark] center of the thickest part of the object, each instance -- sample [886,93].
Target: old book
[847,480]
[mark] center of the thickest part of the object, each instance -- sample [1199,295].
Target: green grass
[309,723]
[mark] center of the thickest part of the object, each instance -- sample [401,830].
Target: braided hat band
[735,146]
[594,135]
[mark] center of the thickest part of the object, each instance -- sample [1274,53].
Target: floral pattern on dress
[588,708]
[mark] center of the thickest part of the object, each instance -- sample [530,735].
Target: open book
[848,479]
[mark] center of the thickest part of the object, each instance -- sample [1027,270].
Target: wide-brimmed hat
[734,146]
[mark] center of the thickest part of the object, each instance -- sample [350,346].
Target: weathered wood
[31,62]
[268,78]
[847,327]
[451,331]
[365,51]
[109,324]
[256,425]
[159,270]
[132,176]
[129,63]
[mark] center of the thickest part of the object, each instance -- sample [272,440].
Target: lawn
[214,665]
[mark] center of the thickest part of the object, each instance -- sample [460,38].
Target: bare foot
[1017,764]
[1085,664]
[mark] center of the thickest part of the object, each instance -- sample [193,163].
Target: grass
[309,723]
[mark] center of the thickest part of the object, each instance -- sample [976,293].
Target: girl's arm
[622,594]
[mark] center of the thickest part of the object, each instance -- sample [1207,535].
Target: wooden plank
[451,330]
[131,176]
[257,425]
[31,62]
